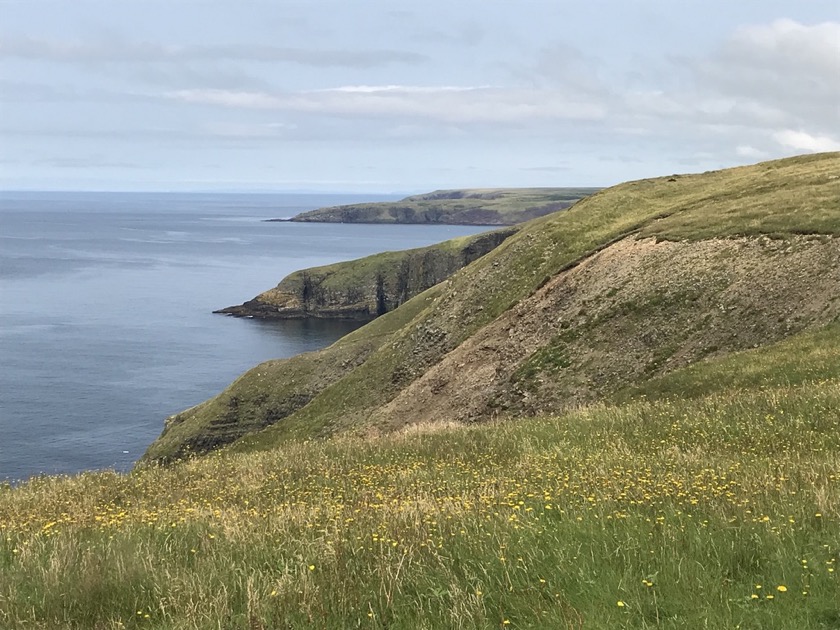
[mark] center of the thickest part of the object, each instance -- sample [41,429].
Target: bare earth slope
[628,284]
[635,310]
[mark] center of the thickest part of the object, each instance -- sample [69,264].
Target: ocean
[106,300]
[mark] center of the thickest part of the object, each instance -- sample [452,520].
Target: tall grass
[717,512]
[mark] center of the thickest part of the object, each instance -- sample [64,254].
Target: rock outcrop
[370,286]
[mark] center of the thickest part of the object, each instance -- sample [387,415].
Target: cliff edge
[485,206]
[367,287]
[631,284]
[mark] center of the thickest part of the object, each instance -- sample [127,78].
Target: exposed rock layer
[368,287]
[637,309]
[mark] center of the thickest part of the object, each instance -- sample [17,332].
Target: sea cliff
[486,206]
[370,286]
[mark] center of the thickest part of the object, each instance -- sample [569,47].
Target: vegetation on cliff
[717,508]
[370,286]
[486,206]
[677,342]
[628,284]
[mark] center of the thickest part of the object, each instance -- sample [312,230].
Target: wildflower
[781,588]
[620,604]
[311,567]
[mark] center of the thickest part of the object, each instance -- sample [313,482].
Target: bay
[106,300]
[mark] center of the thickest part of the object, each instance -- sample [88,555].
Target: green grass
[808,357]
[719,204]
[707,497]
[274,389]
[795,195]
[490,206]
[682,510]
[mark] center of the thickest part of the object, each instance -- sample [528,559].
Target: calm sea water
[105,311]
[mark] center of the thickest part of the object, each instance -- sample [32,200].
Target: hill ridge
[774,199]
[479,206]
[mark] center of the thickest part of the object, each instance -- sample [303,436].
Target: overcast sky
[391,96]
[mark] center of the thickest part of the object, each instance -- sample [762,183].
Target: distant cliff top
[478,206]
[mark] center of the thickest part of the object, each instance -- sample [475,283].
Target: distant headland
[477,206]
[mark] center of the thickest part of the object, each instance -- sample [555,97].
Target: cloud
[247,130]
[468,34]
[447,104]
[767,88]
[790,45]
[66,92]
[546,169]
[750,152]
[802,141]
[92,162]
[782,74]
[119,51]
[209,74]
[563,66]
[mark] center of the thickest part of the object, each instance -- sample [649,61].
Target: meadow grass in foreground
[717,512]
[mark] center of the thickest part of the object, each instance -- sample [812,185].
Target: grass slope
[275,389]
[796,196]
[490,206]
[807,358]
[716,510]
[708,496]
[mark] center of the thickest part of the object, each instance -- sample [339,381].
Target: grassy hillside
[719,510]
[276,389]
[555,316]
[677,342]
[371,286]
[488,206]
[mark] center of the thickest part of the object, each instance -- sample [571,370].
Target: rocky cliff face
[368,287]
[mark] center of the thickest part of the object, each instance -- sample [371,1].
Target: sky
[389,96]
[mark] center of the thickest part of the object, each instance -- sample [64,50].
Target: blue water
[105,311]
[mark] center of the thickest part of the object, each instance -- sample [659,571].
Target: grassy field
[706,496]
[716,509]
